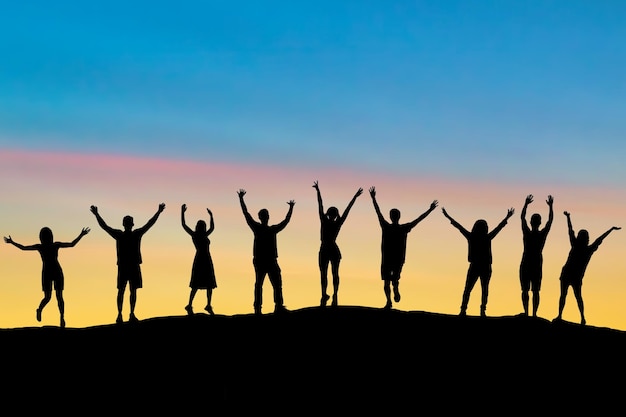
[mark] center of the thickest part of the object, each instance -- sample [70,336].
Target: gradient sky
[476,104]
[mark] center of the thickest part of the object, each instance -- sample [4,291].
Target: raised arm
[211,223]
[599,240]
[153,219]
[570,229]
[19,245]
[503,223]
[433,206]
[529,199]
[75,241]
[350,204]
[320,206]
[381,219]
[101,221]
[280,226]
[187,229]
[455,223]
[550,202]
[244,208]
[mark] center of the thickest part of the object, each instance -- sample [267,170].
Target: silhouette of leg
[323,264]
[535,302]
[258,289]
[277,284]
[579,299]
[209,295]
[525,299]
[564,289]
[189,306]
[133,302]
[387,289]
[61,304]
[335,271]
[120,303]
[470,281]
[485,277]
[396,290]
[47,295]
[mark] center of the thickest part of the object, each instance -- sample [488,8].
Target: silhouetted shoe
[583,322]
[396,295]
[324,300]
[387,306]
[132,319]
[38,314]
[334,303]
[483,313]
[257,311]
[280,310]
[189,310]
[119,319]
[209,310]
[62,324]
[463,313]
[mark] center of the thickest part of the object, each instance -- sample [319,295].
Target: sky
[125,105]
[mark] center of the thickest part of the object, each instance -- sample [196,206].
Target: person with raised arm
[330,224]
[202,271]
[393,247]
[479,257]
[265,253]
[128,249]
[531,267]
[574,269]
[51,272]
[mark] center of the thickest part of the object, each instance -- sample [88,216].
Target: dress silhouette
[202,272]
[393,247]
[265,254]
[574,269]
[128,248]
[330,224]
[531,267]
[51,272]
[479,257]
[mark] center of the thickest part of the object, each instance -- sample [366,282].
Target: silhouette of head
[394,215]
[45,235]
[201,226]
[127,222]
[535,220]
[332,213]
[583,237]
[264,216]
[480,227]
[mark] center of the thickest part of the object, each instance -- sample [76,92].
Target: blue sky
[493,90]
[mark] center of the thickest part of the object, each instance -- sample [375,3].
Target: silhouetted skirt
[202,272]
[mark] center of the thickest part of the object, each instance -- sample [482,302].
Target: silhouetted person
[265,254]
[576,264]
[202,272]
[128,247]
[393,247]
[51,272]
[330,224]
[479,257]
[531,267]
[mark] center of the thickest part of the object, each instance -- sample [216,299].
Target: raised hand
[94,209]
[566,213]
[445,213]
[183,208]
[161,207]
[510,212]
[373,191]
[434,204]
[291,203]
[358,192]
[85,231]
[615,228]
[241,192]
[210,213]
[8,239]
[550,200]
[529,199]
[316,186]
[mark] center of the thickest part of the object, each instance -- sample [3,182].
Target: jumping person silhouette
[393,246]
[330,224]
[479,257]
[202,272]
[576,264]
[51,272]
[531,267]
[128,247]
[265,254]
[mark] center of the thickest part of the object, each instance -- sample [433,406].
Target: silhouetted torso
[128,245]
[50,260]
[577,261]
[393,246]
[534,241]
[265,247]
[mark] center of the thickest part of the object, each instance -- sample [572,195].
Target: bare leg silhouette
[47,295]
[120,303]
[61,304]
[209,295]
[579,299]
[323,264]
[335,272]
[535,302]
[133,302]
